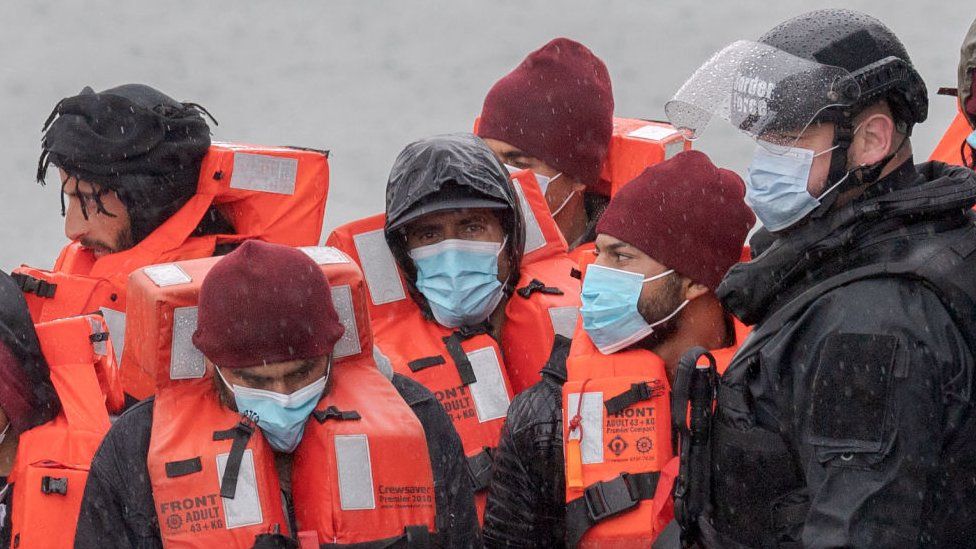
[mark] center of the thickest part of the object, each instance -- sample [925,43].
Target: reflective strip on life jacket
[51,466]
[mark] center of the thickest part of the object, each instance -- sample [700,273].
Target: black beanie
[134,140]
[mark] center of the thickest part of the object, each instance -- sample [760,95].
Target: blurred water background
[362,79]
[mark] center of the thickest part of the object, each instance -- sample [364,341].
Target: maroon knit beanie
[556,106]
[265,303]
[686,214]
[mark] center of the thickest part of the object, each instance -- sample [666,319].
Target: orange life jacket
[950,148]
[635,146]
[620,461]
[362,472]
[51,466]
[546,301]
[276,194]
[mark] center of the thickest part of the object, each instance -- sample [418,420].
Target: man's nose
[75,224]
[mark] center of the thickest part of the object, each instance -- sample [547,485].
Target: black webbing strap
[460,358]
[638,392]
[31,285]
[184,467]
[241,434]
[576,273]
[413,537]
[426,362]
[536,285]
[479,469]
[603,500]
[334,413]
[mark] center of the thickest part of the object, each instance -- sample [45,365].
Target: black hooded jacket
[527,495]
[849,416]
[118,509]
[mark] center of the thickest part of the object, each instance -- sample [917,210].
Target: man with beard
[663,245]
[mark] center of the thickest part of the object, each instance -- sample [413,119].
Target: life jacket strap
[334,413]
[480,470]
[184,467]
[460,358]
[638,392]
[605,499]
[240,434]
[536,285]
[426,362]
[31,285]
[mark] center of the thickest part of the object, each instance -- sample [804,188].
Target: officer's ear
[874,139]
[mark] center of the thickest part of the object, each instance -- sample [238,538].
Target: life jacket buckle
[605,499]
[54,485]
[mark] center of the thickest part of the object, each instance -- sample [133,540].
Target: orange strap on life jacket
[361,421]
[950,148]
[52,462]
[276,194]
[617,435]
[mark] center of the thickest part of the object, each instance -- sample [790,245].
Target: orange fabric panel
[398,460]
[950,146]
[62,449]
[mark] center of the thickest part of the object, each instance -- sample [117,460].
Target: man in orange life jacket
[553,114]
[27,396]
[267,326]
[958,143]
[128,157]
[663,245]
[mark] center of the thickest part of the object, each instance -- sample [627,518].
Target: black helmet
[867,49]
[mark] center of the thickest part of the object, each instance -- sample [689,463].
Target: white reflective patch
[262,172]
[186,361]
[116,330]
[490,396]
[167,274]
[652,132]
[534,239]
[348,345]
[99,347]
[383,363]
[245,508]
[591,447]
[564,320]
[325,255]
[674,148]
[355,472]
[379,268]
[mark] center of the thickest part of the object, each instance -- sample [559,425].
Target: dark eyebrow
[473,218]
[305,368]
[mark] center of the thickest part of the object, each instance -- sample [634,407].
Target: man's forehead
[451,216]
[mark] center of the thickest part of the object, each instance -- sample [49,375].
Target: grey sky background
[365,78]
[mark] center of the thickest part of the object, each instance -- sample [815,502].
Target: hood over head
[967,75]
[27,395]
[131,139]
[449,172]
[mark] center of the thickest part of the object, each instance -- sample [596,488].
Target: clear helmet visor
[765,92]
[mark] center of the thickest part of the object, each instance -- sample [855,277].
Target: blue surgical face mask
[610,315]
[280,417]
[543,180]
[459,278]
[972,139]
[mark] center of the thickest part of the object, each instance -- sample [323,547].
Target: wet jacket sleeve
[526,498]
[874,366]
[117,509]
[457,519]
